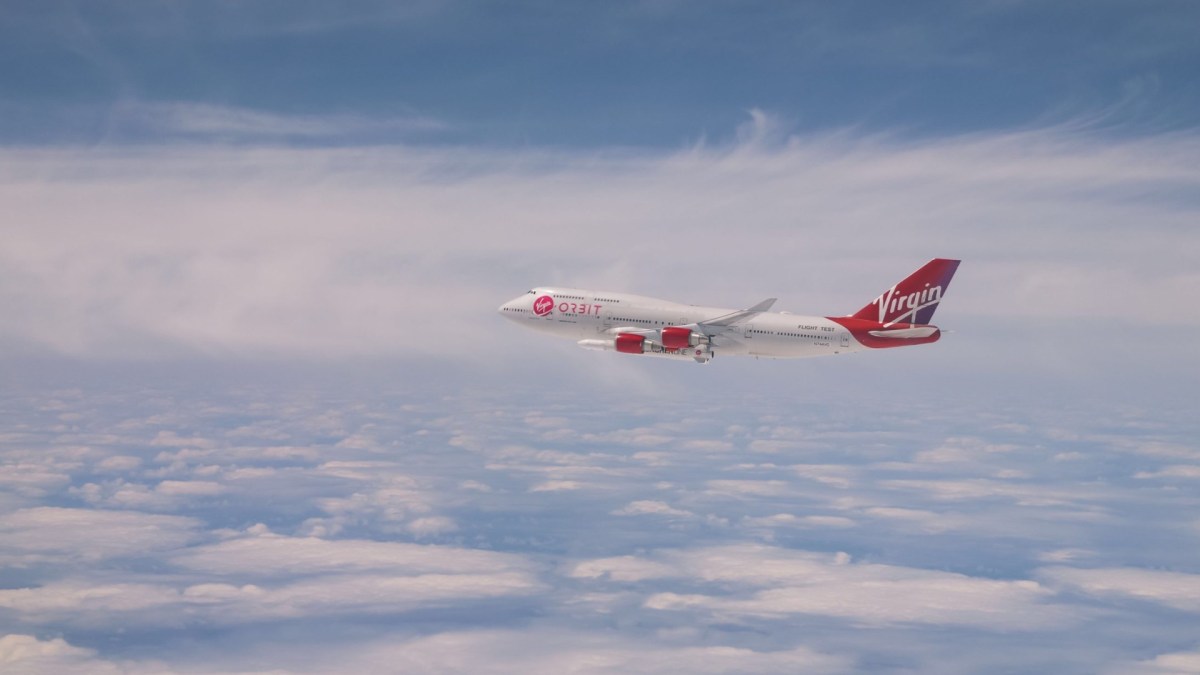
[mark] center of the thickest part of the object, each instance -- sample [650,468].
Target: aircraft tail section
[913,300]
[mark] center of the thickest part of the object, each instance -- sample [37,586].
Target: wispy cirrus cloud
[197,122]
[234,252]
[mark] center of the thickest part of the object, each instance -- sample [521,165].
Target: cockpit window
[529,293]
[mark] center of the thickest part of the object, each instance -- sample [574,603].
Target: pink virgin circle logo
[543,305]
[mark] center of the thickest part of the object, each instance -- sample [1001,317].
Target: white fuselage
[592,317]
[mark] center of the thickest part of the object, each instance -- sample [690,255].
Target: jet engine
[631,343]
[677,337]
[627,343]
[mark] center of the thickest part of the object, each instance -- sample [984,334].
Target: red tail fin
[914,299]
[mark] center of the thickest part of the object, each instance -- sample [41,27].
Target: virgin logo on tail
[914,299]
[892,304]
[543,305]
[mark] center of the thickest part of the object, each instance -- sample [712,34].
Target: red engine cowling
[675,337]
[631,344]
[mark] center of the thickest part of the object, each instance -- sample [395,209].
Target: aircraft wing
[713,329]
[734,318]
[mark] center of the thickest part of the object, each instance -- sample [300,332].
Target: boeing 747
[635,324]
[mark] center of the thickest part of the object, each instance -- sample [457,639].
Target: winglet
[735,317]
[762,306]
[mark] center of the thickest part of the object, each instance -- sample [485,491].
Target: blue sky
[258,412]
[586,74]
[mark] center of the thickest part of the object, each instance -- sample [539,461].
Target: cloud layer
[338,253]
[496,529]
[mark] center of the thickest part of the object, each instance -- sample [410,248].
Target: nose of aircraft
[507,309]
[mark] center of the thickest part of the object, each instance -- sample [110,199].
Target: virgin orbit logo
[543,305]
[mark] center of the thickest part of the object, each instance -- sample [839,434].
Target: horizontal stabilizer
[905,333]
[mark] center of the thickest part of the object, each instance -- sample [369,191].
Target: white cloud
[771,447]
[1174,663]
[397,499]
[474,485]
[30,479]
[89,603]
[1174,471]
[791,520]
[748,488]
[927,521]
[188,444]
[328,251]
[639,436]
[431,526]
[963,449]
[1174,589]
[366,470]
[1063,555]
[260,575]
[359,593]
[552,651]
[706,445]
[546,650]
[205,121]
[836,475]
[770,582]
[189,488]
[1154,447]
[86,604]
[621,568]
[27,654]
[556,486]
[650,507]
[1024,494]
[388,499]
[275,554]
[51,533]
[164,495]
[119,464]
[537,419]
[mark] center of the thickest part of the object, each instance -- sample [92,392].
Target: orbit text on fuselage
[578,308]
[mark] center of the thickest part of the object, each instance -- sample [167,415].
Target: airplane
[635,324]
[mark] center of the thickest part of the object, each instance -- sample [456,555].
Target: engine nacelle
[677,337]
[627,343]
[637,344]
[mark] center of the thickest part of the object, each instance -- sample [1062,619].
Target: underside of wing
[719,340]
[632,330]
